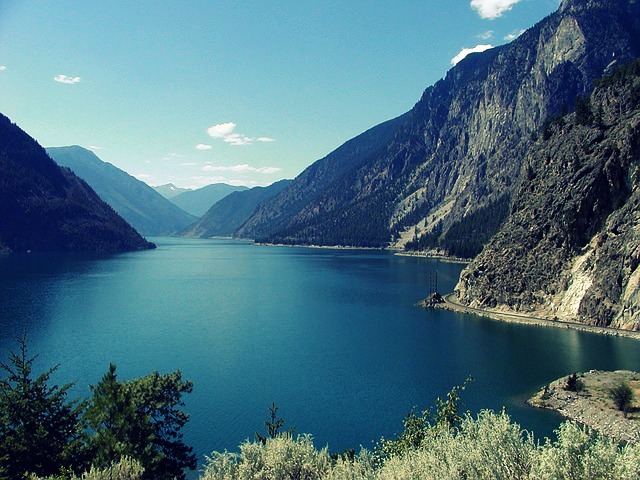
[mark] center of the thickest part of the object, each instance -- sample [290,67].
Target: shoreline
[591,404]
[512,317]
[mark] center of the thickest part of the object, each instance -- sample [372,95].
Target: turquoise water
[331,336]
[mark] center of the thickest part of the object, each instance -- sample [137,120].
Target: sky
[244,92]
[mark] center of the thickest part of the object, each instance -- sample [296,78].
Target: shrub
[622,396]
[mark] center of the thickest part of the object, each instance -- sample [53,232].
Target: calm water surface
[331,336]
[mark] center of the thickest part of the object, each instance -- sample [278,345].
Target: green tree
[622,396]
[273,425]
[573,383]
[141,419]
[40,430]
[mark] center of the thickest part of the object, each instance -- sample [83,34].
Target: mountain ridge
[227,215]
[197,202]
[460,148]
[139,204]
[45,207]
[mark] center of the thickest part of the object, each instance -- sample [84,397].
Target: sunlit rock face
[570,247]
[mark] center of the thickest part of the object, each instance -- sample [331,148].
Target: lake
[333,337]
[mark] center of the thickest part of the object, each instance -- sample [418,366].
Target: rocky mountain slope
[138,203]
[227,215]
[198,201]
[460,149]
[570,247]
[44,207]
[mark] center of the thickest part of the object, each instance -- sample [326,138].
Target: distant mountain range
[144,208]
[45,207]
[228,214]
[198,201]
[169,190]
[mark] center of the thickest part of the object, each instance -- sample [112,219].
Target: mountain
[275,217]
[197,202]
[455,158]
[139,204]
[227,215]
[44,207]
[570,247]
[169,190]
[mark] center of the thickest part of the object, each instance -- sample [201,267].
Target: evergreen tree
[141,419]
[40,431]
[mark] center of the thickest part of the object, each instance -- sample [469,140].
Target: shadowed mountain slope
[44,207]
[138,203]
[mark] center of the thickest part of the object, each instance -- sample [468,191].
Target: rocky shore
[592,405]
[450,303]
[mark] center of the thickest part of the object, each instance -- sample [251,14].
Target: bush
[622,396]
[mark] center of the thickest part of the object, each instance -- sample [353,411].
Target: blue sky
[241,92]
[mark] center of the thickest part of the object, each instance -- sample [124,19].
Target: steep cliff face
[570,247]
[460,148]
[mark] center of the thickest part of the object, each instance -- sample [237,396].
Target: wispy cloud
[188,164]
[491,9]
[240,168]
[513,35]
[238,139]
[202,146]
[2,68]
[226,132]
[485,35]
[466,51]
[66,79]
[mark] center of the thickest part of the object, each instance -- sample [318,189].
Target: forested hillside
[44,207]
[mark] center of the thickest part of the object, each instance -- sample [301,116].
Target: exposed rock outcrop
[570,247]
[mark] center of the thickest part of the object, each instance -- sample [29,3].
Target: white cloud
[2,68]
[486,35]
[188,164]
[513,35]
[240,168]
[221,130]
[466,51]
[225,131]
[238,139]
[492,8]
[66,79]
[202,146]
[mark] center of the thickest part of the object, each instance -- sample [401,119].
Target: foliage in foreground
[487,446]
[128,429]
[131,431]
